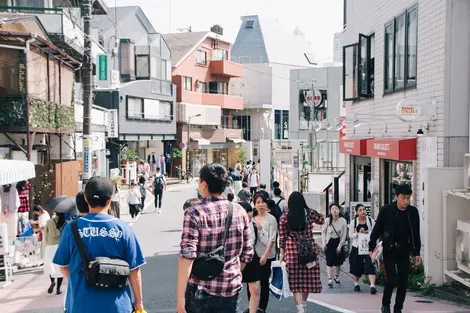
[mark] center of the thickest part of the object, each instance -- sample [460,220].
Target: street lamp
[187,148]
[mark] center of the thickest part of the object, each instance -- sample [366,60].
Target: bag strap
[228,222]
[279,201]
[335,230]
[81,247]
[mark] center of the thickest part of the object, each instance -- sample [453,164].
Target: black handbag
[345,247]
[209,266]
[103,272]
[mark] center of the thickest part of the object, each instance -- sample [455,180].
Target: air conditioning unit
[466,178]
[462,246]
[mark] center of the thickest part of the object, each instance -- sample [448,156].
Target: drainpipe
[28,130]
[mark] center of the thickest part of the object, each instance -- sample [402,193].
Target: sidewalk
[28,291]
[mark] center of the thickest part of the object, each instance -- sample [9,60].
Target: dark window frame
[149,61]
[408,83]
[356,45]
[201,84]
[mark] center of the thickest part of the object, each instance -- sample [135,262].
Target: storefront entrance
[361,173]
[220,156]
[198,158]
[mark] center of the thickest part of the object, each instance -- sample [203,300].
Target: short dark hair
[230,169]
[262,186]
[403,189]
[248,208]
[81,203]
[215,177]
[359,205]
[158,169]
[276,184]
[142,180]
[190,202]
[277,192]
[230,196]
[244,184]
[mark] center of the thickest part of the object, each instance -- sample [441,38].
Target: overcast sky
[318,19]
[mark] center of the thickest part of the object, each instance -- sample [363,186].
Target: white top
[353,234]
[43,218]
[266,234]
[282,204]
[254,180]
[328,232]
[115,197]
[133,196]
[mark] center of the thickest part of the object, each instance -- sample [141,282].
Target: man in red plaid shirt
[203,231]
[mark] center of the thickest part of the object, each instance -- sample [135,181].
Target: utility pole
[87,75]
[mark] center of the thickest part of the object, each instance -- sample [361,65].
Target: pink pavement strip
[367,303]
[29,292]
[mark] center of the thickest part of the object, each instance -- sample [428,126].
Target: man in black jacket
[398,227]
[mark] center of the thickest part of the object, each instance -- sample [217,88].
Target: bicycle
[181,175]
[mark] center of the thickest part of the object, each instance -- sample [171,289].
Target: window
[358,69]
[203,87]
[219,54]
[362,172]
[188,83]
[164,74]
[156,110]
[401,41]
[281,124]
[345,13]
[243,123]
[307,117]
[142,65]
[249,24]
[135,108]
[201,57]
[396,173]
[218,88]
[165,110]
[224,121]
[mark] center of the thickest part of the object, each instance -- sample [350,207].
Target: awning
[398,149]
[201,141]
[12,171]
[353,146]
[235,140]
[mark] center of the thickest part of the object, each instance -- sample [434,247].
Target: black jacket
[385,228]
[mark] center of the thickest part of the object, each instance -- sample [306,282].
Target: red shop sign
[392,149]
[353,146]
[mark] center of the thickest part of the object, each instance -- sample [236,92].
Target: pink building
[202,73]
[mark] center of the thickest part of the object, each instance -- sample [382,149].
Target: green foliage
[130,155]
[45,114]
[242,155]
[176,153]
[416,279]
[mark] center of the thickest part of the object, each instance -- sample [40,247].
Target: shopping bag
[363,244]
[377,252]
[279,283]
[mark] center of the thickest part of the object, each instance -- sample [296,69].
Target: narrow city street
[159,235]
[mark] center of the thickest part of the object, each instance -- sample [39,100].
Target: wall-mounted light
[338,124]
[328,125]
[420,132]
[356,122]
[317,126]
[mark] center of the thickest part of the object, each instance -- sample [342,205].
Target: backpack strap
[228,222]
[279,201]
[81,247]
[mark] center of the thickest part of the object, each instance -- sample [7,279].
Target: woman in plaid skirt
[297,222]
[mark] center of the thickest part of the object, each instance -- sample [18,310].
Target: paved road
[159,235]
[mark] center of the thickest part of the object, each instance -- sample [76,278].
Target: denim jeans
[199,301]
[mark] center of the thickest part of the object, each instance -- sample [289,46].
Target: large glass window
[198,158]
[401,47]
[243,123]
[361,179]
[350,72]
[142,65]
[396,173]
[135,107]
[307,117]
[203,87]
[281,124]
[220,156]
[400,52]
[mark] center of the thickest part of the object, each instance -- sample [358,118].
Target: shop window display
[362,178]
[396,173]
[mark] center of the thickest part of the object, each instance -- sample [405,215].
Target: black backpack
[158,183]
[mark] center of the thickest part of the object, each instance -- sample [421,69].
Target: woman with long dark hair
[334,233]
[296,225]
[265,248]
[53,230]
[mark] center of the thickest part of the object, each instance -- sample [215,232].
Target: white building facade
[405,79]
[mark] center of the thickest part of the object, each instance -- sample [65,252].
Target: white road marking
[329,306]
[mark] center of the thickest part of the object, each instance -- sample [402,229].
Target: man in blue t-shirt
[103,236]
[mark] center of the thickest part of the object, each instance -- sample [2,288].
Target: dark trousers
[115,209]
[397,266]
[158,198]
[199,301]
[142,201]
[253,190]
[134,210]
[264,282]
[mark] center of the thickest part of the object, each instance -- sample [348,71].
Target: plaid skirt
[302,278]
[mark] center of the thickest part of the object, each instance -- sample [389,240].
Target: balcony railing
[42,114]
[162,87]
[226,68]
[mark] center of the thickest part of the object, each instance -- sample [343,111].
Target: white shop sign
[408,110]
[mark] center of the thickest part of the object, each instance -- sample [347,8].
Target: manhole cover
[424,301]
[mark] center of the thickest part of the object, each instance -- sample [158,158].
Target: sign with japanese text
[113,124]
[102,67]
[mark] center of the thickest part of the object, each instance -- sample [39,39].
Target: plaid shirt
[203,231]
[23,195]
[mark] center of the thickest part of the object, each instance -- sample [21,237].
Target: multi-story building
[135,79]
[405,80]
[268,54]
[202,74]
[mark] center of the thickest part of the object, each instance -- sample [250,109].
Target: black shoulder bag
[209,266]
[345,247]
[103,273]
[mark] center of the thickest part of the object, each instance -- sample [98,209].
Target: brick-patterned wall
[370,16]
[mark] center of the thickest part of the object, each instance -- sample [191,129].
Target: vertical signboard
[427,158]
[113,124]
[86,157]
[102,67]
